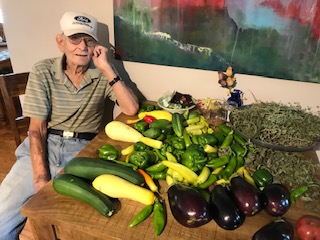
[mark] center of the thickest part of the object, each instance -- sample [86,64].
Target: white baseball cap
[77,22]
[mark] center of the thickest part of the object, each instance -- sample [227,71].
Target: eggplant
[276,230]
[276,199]
[246,196]
[225,212]
[188,206]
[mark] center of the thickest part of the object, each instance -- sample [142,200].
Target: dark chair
[12,86]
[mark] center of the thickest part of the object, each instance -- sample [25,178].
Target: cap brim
[69,33]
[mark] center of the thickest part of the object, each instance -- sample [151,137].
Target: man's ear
[60,42]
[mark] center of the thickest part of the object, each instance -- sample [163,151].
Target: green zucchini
[177,124]
[75,187]
[90,168]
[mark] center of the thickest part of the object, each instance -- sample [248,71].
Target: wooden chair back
[12,86]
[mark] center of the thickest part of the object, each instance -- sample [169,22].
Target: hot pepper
[229,169]
[308,227]
[194,139]
[158,175]
[194,158]
[108,152]
[186,137]
[159,217]
[228,140]
[144,213]
[211,180]
[160,156]
[143,159]
[158,167]
[218,162]
[207,138]
[299,191]
[238,149]
[219,136]
[262,177]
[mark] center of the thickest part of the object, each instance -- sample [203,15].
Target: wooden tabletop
[82,220]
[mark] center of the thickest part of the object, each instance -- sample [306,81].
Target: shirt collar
[59,65]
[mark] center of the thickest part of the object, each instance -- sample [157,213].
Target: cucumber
[75,187]
[90,168]
[177,124]
[159,123]
[152,133]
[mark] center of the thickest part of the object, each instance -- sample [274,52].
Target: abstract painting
[271,38]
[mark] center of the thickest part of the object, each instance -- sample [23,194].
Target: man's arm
[126,99]
[38,147]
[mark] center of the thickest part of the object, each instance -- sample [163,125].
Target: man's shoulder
[45,63]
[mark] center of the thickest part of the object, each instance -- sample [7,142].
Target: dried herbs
[290,168]
[278,124]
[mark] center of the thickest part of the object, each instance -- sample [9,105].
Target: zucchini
[90,168]
[75,187]
[177,124]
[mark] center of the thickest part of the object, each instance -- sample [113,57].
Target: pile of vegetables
[206,169]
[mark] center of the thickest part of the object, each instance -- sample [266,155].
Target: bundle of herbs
[294,169]
[278,124]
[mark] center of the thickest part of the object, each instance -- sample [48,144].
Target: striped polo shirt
[51,96]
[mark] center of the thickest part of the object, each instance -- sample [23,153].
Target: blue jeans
[18,187]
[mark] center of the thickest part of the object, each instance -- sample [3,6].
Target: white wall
[31,26]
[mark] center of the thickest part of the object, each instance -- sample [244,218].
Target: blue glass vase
[235,99]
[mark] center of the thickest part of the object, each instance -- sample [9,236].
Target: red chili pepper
[148,119]
[308,227]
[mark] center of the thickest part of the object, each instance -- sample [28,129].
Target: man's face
[78,49]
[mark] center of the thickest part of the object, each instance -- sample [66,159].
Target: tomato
[308,227]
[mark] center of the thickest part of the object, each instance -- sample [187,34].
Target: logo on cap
[82,19]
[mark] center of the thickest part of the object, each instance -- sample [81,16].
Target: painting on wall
[271,38]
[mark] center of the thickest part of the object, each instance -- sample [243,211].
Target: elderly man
[65,100]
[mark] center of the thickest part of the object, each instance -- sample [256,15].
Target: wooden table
[53,216]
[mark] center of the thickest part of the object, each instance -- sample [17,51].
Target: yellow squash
[120,131]
[117,187]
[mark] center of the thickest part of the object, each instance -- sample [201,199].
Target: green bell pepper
[177,142]
[140,146]
[194,158]
[143,159]
[108,152]
[262,177]
[166,147]
[141,126]
[207,138]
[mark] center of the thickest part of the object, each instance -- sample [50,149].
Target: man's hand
[100,57]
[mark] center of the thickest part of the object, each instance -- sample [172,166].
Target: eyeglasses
[76,40]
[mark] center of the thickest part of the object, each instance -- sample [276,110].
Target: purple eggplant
[276,199]
[276,230]
[246,196]
[188,206]
[225,211]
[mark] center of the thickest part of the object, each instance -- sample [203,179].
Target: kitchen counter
[53,216]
